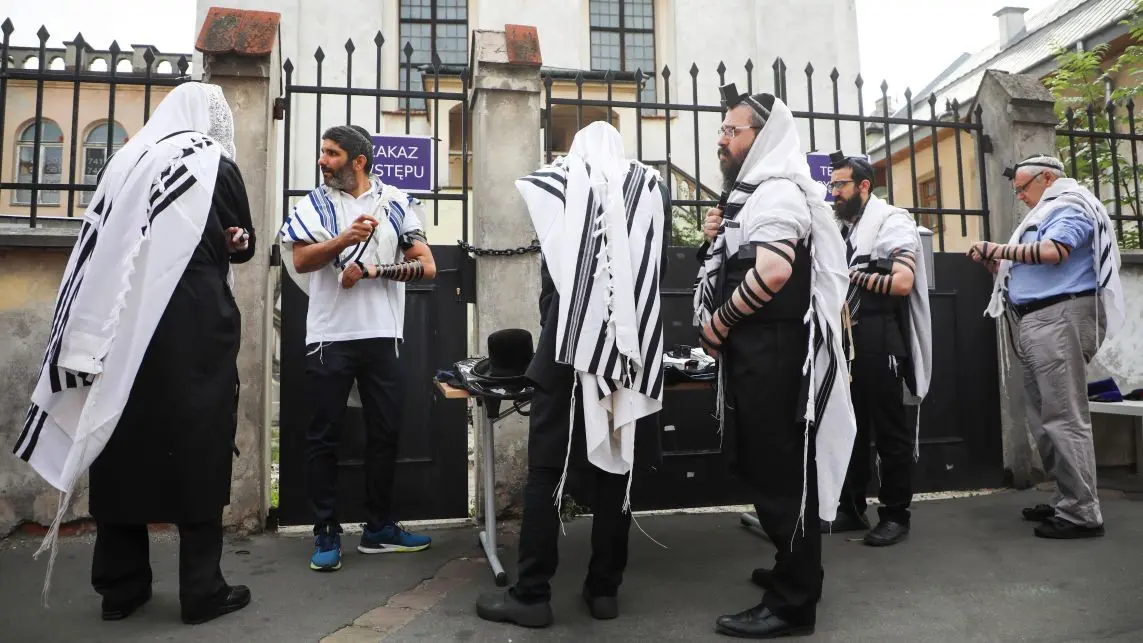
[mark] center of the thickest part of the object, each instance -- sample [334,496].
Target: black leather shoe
[1062,529]
[844,522]
[759,622]
[504,607]
[602,608]
[1039,513]
[236,598]
[119,612]
[764,578]
[886,533]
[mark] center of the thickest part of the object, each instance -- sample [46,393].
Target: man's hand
[237,240]
[712,224]
[710,342]
[993,266]
[982,251]
[351,275]
[358,231]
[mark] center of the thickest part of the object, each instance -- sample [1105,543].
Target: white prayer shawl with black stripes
[880,231]
[599,219]
[1068,193]
[776,156]
[319,216]
[145,219]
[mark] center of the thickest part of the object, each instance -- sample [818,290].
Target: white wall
[823,32]
[561,26]
[1121,357]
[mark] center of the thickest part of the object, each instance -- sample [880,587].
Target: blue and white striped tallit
[145,219]
[318,217]
[776,155]
[1066,192]
[599,219]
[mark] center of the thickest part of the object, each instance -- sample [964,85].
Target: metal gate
[960,445]
[432,464]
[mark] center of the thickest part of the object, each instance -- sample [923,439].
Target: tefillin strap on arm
[754,292]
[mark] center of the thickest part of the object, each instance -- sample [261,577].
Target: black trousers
[540,530]
[332,370]
[881,414]
[768,392]
[121,564]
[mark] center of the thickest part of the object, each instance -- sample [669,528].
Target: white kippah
[1042,160]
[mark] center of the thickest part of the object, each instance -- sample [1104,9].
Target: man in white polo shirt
[361,241]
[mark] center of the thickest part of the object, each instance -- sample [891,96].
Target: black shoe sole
[799,630]
[885,543]
[222,611]
[496,617]
[123,612]
[1070,535]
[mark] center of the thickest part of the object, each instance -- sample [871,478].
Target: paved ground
[972,571]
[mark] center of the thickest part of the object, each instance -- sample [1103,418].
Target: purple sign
[820,170]
[405,162]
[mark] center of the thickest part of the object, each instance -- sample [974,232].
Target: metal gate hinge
[986,143]
[280,108]
[275,255]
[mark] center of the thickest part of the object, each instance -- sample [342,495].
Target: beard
[341,179]
[847,209]
[730,167]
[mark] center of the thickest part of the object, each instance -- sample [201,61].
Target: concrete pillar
[1019,120]
[238,50]
[506,145]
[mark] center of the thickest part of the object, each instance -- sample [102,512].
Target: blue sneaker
[389,539]
[327,552]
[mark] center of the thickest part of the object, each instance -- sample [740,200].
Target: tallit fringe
[917,436]
[720,401]
[51,539]
[567,457]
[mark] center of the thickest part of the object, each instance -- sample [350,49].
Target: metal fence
[427,101]
[1099,147]
[691,202]
[47,75]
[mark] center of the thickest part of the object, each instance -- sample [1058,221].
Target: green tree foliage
[1087,102]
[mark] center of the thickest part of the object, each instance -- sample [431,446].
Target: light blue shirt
[1031,282]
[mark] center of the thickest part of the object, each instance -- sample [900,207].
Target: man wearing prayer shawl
[768,300]
[1057,286]
[360,241]
[140,379]
[598,364]
[888,303]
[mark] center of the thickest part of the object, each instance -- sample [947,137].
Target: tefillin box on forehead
[730,96]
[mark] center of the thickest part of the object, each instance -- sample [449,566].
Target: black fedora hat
[509,354]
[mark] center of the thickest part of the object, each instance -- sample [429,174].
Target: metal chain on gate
[487,252]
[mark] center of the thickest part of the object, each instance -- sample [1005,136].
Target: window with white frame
[623,38]
[431,25]
[96,150]
[51,161]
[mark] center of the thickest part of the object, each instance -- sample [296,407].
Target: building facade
[81,123]
[622,36]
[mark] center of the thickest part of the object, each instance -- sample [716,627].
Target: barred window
[623,38]
[431,25]
[95,153]
[51,161]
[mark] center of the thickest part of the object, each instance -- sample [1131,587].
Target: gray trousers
[1054,345]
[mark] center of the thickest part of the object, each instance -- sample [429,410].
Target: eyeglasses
[1017,189]
[838,184]
[730,131]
